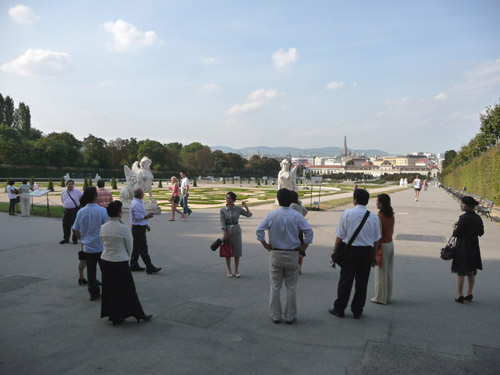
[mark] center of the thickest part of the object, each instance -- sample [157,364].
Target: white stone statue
[140,176]
[66,177]
[405,183]
[401,182]
[287,178]
[97,177]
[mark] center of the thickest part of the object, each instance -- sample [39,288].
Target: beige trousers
[383,275]
[283,265]
[25,204]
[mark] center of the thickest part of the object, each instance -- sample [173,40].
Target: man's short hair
[361,196]
[138,192]
[100,183]
[284,197]
[67,182]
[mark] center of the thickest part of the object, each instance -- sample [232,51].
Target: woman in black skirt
[119,298]
[467,258]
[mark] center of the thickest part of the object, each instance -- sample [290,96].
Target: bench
[485,208]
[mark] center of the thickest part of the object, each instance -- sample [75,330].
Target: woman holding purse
[229,217]
[383,273]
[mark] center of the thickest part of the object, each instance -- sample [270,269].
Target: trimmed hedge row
[480,176]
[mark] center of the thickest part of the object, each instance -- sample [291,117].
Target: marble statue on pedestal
[140,176]
[66,177]
[287,178]
[97,178]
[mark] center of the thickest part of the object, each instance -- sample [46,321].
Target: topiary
[85,183]
[194,183]
[159,183]
[63,183]
[51,185]
[113,184]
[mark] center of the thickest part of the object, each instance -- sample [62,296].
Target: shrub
[159,183]
[194,183]
[113,184]
[63,183]
[85,183]
[51,185]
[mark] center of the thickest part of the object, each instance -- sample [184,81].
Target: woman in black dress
[119,297]
[467,258]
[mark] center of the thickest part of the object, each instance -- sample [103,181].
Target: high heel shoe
[468,298]
[143,317]
[82,282]
[118,321]
[459,299]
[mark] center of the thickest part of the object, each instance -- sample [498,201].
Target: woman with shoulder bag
[384,272]
[229,216]
[467,256]
[12,192]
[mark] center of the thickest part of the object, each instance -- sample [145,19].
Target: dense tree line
[20,144]
[488,136]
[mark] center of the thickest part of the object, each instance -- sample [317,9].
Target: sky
[398,76]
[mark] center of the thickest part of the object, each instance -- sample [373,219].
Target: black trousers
[68,220]
[140,247]
[356,269]
[93,259]
[12,206]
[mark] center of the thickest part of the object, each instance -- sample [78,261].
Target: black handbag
[216,244]
[448,252]
[341,255]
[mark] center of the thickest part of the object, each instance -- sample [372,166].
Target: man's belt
[275,248]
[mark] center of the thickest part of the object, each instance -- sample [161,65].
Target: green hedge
[480,176]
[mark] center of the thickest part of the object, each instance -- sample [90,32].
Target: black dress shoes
[143,317]
[94,297]
[137,268]
[64,241]
[338,314]
[153,270]
[357,316]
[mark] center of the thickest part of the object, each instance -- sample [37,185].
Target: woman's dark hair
[11,182]
[232,195]
[88,196]
[294,196]
[114,208]
[386,208]
[469,201]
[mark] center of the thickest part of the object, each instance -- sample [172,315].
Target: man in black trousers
[139,220]
[360,256]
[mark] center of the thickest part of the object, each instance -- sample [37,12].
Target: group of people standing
[19,195]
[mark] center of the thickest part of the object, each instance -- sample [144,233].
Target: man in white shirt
[185,194]
[70,199]
[417,186]
[360,256]
[284,225]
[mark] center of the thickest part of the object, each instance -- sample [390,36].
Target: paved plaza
[205,323]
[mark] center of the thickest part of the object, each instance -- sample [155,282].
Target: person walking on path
[417,186]
[383,273]
[87,227]
[119,296]
[229,217]
[467,258]
[175,199]
[283,226]
[25,190]
[12,193]
[360,256]
[104,197]
[185,194]
[71,203]
[139,220]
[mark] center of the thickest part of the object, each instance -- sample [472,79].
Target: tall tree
[153,150]
[95,154]
[72,151]
[118,152]
[2,105]
[23,119]
[8,111]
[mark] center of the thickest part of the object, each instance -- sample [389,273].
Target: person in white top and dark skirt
[119,297]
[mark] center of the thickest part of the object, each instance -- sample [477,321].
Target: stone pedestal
[150,207]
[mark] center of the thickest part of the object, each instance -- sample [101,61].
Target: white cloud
[334,85]
[22,14]
[441,96]
[255,100]
[283,60]
[208,88]
[211,60]
[107,83]
[126,37]
[355,84]
[38,62]
[484,78]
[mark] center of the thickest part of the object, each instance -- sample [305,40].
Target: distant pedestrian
[71,203]
[417,186]
[284,225]
[175,199]
[229,221]
[467,258]
[185,193]
[25,190]
[119,296]
[384,273]
[139,220]
[12,194]
[87,227]
[360,256]
[104,197]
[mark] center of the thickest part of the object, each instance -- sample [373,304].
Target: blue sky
[400,76]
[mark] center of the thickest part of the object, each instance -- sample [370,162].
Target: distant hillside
[286,151]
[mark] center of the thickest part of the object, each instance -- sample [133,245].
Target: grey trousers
[283,265]
[383,275]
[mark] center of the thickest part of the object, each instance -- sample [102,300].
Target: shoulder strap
[359,228]
[69,195]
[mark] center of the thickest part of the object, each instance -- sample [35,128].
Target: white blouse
[117,240]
